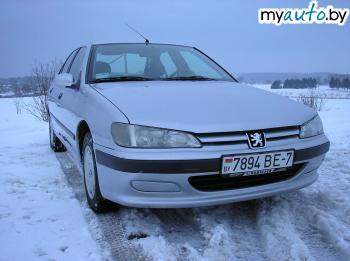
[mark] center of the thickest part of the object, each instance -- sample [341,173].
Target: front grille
[229,138]
[219,182]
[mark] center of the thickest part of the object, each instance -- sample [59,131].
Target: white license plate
[258,163]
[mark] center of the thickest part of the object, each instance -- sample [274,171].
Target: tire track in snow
[322,210]
[107,228]
[181,229]
[247,237]
[325,236]
[317,216]
[142,222]
[231,232]
[280,239]
[216,231]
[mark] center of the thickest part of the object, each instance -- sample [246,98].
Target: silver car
[165,126]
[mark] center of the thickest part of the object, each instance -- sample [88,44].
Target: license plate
[255,164]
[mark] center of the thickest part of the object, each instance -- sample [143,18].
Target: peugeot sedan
[165,126]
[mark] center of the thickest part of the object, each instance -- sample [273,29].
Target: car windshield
[141,62]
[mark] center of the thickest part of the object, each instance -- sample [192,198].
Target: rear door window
[77,64]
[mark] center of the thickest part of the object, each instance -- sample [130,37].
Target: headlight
[128,135]
[311,128]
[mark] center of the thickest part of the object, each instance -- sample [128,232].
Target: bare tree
[312,99]
[18,104]
[42,76]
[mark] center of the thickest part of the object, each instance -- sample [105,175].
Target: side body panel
[83,104]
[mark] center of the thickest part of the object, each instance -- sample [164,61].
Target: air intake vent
[219,182]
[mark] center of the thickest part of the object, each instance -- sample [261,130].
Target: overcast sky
[228,31]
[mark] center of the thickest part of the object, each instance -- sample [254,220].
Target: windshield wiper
[121,79]
[188,78]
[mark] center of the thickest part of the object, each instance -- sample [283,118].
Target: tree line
[16,85]
[295,84]
[340,83]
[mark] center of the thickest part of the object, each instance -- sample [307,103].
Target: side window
[75,69]
[68,62]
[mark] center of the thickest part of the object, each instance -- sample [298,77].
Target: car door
[54,100]
[70,101]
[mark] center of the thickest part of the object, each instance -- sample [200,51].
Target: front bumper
[151,178]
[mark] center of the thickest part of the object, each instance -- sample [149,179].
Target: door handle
[60,96]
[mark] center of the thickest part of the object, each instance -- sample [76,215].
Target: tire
[55,144]
[92,188]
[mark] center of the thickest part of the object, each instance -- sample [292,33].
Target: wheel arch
[82,129]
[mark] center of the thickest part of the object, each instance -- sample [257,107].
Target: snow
[39,215]
[42,218]
[322,90]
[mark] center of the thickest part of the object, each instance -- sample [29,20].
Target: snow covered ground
[40,219]
[43,214]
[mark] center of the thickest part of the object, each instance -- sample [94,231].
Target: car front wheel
[92,188]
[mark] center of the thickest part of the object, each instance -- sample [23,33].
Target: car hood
[203,106]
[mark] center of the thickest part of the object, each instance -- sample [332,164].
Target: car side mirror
[65,80]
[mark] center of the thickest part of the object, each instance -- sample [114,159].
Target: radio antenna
[134,30]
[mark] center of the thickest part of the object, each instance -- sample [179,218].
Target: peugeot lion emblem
[256,139]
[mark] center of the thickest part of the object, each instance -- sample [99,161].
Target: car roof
[136,43]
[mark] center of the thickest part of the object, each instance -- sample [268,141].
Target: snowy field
[320,91]
[43,214]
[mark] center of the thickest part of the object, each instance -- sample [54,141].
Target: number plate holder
[248,164]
